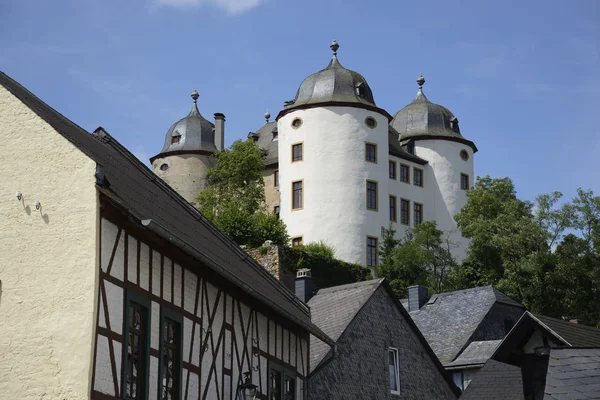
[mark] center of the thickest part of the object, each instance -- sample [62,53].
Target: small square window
[371,152]
[371,251]
[175,139]
[276,211]
[276,177]
[404,173]
[297,152]
[418,177]
[297,241]
[394,371]
[392,170]
[371,195]
[464,181]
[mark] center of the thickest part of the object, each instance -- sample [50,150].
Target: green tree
[234,198]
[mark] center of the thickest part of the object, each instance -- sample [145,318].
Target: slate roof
[449,319]
[573,373]
[564,333]
[333,309]
[476,354]
[133,187]
[495,381]
[575,335]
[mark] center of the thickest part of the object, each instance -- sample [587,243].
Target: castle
[338,168]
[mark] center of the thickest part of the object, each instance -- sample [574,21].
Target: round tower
[188,152]
[431,132]
[333,163]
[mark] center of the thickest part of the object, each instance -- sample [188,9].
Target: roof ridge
[346,286]
[567,323]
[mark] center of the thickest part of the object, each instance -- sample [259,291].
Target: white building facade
[339,169]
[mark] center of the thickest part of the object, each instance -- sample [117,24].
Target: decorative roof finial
[267,115]
[420,81]
[195,95]
[334,47]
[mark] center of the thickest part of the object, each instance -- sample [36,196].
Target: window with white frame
[394,371]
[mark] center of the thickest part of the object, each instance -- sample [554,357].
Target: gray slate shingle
[476,353]
[495,381]
[449,319]
[573,373]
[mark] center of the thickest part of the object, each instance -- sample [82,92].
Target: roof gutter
[187,248]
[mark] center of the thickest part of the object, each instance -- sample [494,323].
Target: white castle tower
[431,132]
[333,140]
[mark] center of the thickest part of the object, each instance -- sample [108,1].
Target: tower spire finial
[195,96]
[334,46]
[420,81]
[267,115]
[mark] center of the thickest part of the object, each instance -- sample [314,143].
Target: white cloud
[230,6]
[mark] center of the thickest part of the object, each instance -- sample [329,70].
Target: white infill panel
[101,315]
[196,344]
[114,300]
[187,338]
[192,390]
[132,259]
[228,308]
[293,349]
[153,383]
[156,274]
[272,338]
[189,291]
[262,325]
[118,348]
[167,278]
[155,326]
[118,265]
[103,381]
[227,350]
[227,388]
[178,276]
[286,346]
[144,267]
[109,236]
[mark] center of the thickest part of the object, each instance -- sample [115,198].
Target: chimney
[219,131]
[304,285]
[417,297]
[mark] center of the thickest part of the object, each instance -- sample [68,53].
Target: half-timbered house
[113,287]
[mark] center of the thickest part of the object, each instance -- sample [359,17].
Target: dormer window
[175,139]
[410,147]
[275,135]
[360,89]
[454,124]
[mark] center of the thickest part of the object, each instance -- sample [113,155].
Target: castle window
[372,195]
[296,123]
[360,89]
[392,169]
[297,241]
[404,212]
[404,173]
[136,349]
[371,152]
[410,147]
[418,177]
[371,251]
[276,177]
[175,139]
[170,362]
[370,122]
[297,152]
[464,181]
[164,167]
[297,198]
[464,155]
[393,209]
[276,211]
[418,213]
[394,370]
[454,124]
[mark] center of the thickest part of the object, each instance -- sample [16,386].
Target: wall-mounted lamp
[19,195]
[37,204]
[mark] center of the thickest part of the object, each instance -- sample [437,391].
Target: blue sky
[523,77]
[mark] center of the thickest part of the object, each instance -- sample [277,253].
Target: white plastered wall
[48,260]
[447,198]
[334,158]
